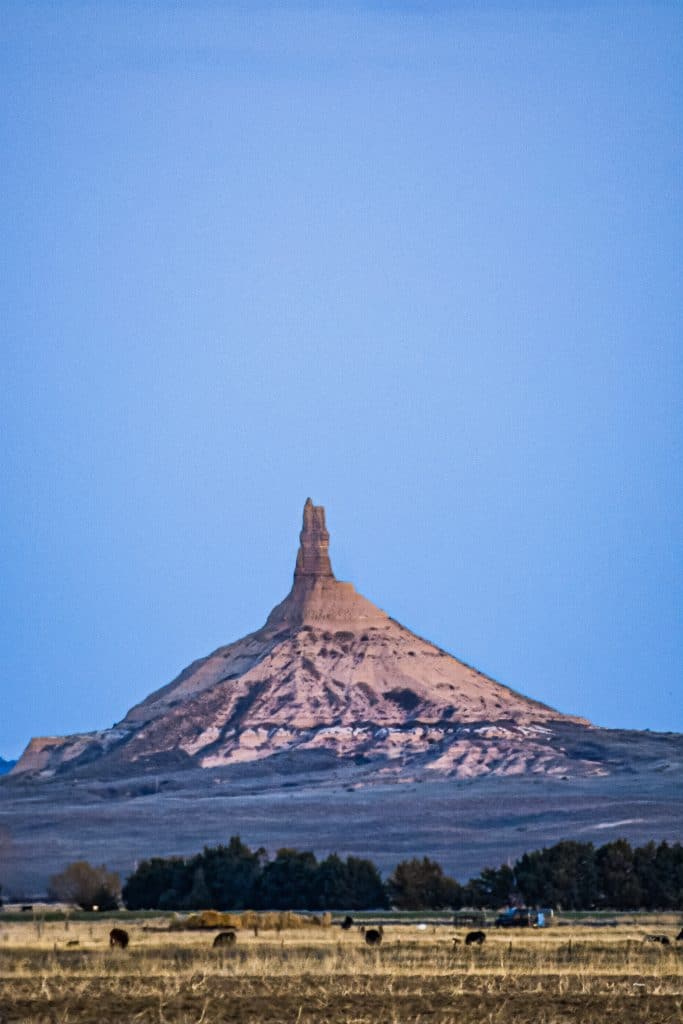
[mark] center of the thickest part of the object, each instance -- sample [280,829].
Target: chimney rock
[313,558]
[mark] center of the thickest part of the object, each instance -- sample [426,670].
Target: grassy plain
[63,972]
[463,824]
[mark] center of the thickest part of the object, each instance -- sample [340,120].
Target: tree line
[568,876]
[233,877]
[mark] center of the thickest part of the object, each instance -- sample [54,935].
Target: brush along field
[65,973]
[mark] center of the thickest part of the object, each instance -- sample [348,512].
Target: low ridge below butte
[329,672]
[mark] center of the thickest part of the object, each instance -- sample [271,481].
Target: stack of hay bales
[207,919]
[277,920]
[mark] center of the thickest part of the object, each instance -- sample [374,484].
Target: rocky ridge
[331,672]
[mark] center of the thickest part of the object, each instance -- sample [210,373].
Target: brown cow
[118,938]
[225,939]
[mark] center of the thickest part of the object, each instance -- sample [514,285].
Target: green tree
[365,882]
[676,852]
[563,876]
[231,873]
[617,879]
[493,887]
[156,878]
[420,884]
[288,882]
[645,867]
[332,885]
[353,884]
[199,897]
[667,890]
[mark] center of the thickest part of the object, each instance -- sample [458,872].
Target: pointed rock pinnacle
[313,557]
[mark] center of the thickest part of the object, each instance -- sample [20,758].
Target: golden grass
[328,976]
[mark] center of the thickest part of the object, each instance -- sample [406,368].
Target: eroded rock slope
[330,671]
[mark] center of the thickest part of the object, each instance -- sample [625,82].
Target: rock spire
[313,558]
[317,596]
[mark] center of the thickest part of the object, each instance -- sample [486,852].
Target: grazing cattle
[679,937]
[475,937]
[374,936]
[118,938]
[347,923]
[224,939]
[662,939]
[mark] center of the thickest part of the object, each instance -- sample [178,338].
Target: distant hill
[6,766]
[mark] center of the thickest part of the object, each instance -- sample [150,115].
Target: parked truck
[523,917]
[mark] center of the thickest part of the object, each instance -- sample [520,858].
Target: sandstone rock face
[38,753]
[329,671]
[313,558]
[316,597]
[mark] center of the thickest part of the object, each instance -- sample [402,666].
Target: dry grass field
[65,973]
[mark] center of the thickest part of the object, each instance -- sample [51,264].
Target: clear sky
[419,261]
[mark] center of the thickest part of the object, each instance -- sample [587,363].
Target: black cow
[679,937]
[374,936]
[346,923]
[475,937]
[118,938]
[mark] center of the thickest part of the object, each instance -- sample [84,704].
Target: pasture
[64,972]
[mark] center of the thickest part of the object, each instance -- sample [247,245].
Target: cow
[118,938]
[475,937]
[679,937]
[374,936]
[347,923]
[663,940]
[225,939]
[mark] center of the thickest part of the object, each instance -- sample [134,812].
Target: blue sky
[418,261]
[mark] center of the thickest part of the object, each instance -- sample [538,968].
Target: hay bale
[207,919]
[249,919]
[274,920]
[294,921]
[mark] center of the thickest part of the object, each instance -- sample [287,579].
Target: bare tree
[88,886]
